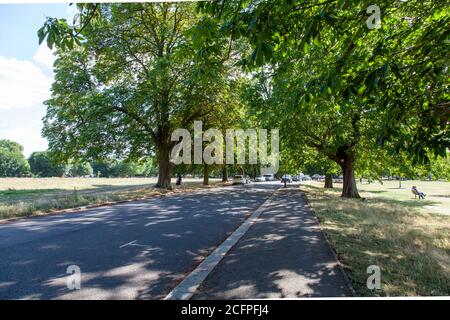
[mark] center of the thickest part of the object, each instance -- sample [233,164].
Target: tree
[341,86]
[101,168]
[440,168]
[126,169]
[79,169]
[41,165]
[12,160]
[128,85]
[324,78]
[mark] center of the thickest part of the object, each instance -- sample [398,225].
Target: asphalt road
[283,255]
[136,250]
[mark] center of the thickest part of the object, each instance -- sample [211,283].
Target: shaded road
[137,250]
[283,255]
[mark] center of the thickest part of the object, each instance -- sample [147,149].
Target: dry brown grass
[409,244]
[35,196]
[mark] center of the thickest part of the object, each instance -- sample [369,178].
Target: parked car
[269,177]
[260,179]
[306,178]
[287,178]
[296,178]
[239,179]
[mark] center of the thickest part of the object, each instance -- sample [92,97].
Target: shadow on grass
[410,203]
[19,192]
[406,269]
[362,233]
[405,203]
[98,187]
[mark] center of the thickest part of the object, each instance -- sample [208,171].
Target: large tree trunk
[224,173]
[164,167]
[349,189]
[205,174]
[328,181]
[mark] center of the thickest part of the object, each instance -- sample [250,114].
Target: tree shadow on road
[171,235]
[284,255]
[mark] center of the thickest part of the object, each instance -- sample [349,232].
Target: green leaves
[262,54]
[12,161]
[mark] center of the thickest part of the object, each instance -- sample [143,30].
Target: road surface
[283,255]
[144,249]
[136,250]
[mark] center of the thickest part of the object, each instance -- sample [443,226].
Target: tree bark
[164,167]
[349,189]
[328,181]
[205,174]
[224,173]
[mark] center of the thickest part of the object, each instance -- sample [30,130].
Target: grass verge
[411,247]
[31,202]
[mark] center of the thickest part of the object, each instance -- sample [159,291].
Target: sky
[25,72]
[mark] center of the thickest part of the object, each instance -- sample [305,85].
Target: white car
[241,179]
[260,179]
[269,177]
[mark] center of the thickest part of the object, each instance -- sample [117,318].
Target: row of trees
[41,164]
[350,99]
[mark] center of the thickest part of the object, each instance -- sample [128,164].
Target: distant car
[260,179]
[296,178]
[269,177]
[239,179]
[287,178]
[306,178]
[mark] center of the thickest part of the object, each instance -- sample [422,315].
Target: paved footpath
[283,255]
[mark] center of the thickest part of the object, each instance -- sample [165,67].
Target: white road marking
[127,244]
[134,244]
[187,288]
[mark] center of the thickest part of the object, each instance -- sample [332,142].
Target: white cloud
[71,11]
[28,136]
[22,84]
[44,56]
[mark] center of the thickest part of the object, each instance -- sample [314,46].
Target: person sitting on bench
[417,193]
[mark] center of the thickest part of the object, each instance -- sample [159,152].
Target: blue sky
[25,72]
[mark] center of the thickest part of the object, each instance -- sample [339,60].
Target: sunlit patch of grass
[52,194]
[411,246]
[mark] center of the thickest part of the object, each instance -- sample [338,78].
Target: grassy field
[28,196]
[409,239]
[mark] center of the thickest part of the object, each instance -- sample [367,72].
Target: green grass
[409,239]
[35,196]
